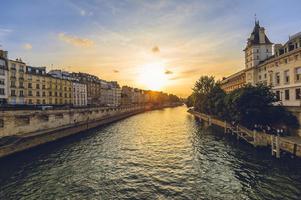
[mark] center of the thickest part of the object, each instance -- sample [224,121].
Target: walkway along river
[161,154]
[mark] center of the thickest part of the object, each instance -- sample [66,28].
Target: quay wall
[286,144]
[26,129]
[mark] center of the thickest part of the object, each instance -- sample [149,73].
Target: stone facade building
[3,77]
[278,66]
[78,90]
[93,84]
[45,89]
[16,77]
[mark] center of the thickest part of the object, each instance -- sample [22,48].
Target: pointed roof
[254,37]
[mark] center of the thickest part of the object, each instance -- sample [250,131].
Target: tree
[200,91]
[256,105]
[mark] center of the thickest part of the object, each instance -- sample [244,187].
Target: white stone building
[79,94]
[276,65]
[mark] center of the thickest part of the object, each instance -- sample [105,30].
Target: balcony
[21,78]
[13,77]
[13,68]
[21,70]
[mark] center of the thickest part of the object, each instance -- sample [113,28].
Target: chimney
[261,35]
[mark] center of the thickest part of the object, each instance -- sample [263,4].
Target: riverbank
[277,144]
[23,130]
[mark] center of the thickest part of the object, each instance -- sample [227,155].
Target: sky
[156,44]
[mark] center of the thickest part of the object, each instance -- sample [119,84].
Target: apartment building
[16,79]
[3,77]
[93,84]
[45,89]
[78,89]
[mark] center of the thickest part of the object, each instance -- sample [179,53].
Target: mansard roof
[254,37]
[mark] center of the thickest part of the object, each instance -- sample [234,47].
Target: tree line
[249,106]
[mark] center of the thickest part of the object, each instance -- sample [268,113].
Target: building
[79,94]
[278,66]
[93,84]
[16,79]
[78,89]
[45,89]
[234,81]
[36,86]
[3,77]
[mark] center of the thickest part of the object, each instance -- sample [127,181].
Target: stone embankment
[276,143]
[24,129]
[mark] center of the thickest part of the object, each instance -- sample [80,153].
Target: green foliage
[248,105]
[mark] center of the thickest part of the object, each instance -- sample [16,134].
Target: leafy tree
[248,105]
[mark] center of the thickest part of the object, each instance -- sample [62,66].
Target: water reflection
[163,154]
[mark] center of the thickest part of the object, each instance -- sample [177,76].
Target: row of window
[287,94]
[286,76]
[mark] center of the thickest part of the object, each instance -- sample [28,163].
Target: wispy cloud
[76,41]
[168,72]
[5,31]
[27,46]
[155,49]
[116,71]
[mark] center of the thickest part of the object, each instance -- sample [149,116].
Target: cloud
[186,74]
[27,46]
[76,41]
[167,72]
[115,71]
[82,12]
[155,49]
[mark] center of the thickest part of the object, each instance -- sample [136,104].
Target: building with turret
[276,65]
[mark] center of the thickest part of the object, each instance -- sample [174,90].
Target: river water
[162,154]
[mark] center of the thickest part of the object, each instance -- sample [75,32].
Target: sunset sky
[163,45]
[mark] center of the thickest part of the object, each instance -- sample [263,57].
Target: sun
[152,76]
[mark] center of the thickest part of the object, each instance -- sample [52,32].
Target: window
[278,95]
[38,93]
[21,93]
[29,85]
[30,101]
[2,92]
[50,94]
[13,84]
[265,75]
[298,92]
[285,61]
[286,76]
[298,74]
[2,81]
[38,101]
[29,93]
[277,78]
[2,72]
[1,123]
[287,94]
[21,85]
[43,94]
[13,92]
[38,86]
[43,86]
[44,102]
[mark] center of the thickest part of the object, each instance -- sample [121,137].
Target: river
[162,154]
